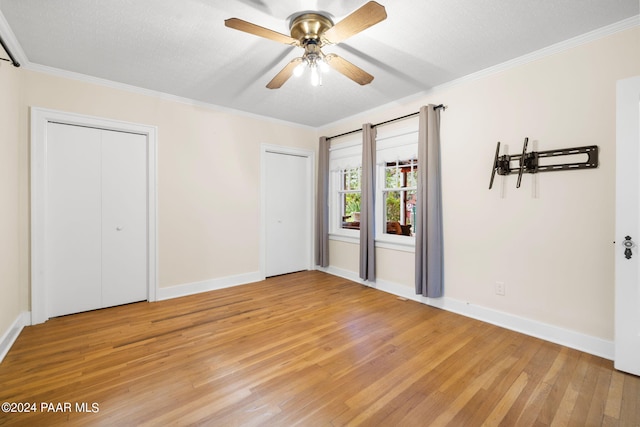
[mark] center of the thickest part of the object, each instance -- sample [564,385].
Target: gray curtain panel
[429,240]
[322,205]
[367,204]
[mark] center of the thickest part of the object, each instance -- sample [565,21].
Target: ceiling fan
[312,31]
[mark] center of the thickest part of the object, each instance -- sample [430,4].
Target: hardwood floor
[303,349]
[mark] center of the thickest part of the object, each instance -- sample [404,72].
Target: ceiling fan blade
[248,27]
[284,74]
[345,67]
[359,20]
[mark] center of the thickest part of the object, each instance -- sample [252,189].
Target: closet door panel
[73,212]
[288,220]
[124,218]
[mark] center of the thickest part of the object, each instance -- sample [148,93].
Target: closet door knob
[119,228]
[628,244]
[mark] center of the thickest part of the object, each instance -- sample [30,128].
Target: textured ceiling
[183,48]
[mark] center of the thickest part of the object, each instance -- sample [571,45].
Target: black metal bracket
[530,162]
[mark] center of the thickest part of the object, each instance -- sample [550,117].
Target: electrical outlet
[500,288]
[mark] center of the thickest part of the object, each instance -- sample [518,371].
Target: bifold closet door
[95,220]
[73,247]
[124,218]
[287,214]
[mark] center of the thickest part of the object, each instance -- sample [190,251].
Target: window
[399,197]
[349,197]
[396,187]
[344,189]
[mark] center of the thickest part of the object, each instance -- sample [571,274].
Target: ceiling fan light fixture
[311,31]
[323,65]
[316,79]
[299,70]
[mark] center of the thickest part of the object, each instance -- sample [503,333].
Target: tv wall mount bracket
[530,162]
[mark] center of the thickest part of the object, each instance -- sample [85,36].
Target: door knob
[628,244]
[119,228]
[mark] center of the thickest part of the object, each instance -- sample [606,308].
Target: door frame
[627,271]
[310,157]
[40,118]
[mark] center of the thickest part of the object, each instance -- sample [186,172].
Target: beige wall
[208,178]
[208,173]
[550,241]
[10,289]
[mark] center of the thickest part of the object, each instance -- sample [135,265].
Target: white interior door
[124,218]
[96,218]
[288,213]
[73,211]
[627,293]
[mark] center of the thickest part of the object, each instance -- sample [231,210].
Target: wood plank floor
[304,349]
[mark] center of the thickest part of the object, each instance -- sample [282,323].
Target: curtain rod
[444,107]
[6,49]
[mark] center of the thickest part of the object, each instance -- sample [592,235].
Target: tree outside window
[399,196]
[349,194]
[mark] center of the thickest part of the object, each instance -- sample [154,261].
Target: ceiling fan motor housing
[309,27]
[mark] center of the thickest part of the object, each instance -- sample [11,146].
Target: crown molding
[17,51]
[565,45]
[553,49]
[11,41]
[571,43]
[57,72]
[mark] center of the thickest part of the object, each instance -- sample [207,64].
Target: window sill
[409,246]
[346,239]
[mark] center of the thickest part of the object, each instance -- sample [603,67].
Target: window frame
[346,155]
[342,192]
[403,143]
[392,139]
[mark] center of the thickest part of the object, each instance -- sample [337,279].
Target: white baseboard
[207,285]
[11,334]
[24,319]
[568,338]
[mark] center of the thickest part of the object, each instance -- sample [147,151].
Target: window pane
[401,174]
[400,211]
[350,179]
[391,176]
[350,210]
[355,178]
[412,177]
[392,203]
[350,198]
